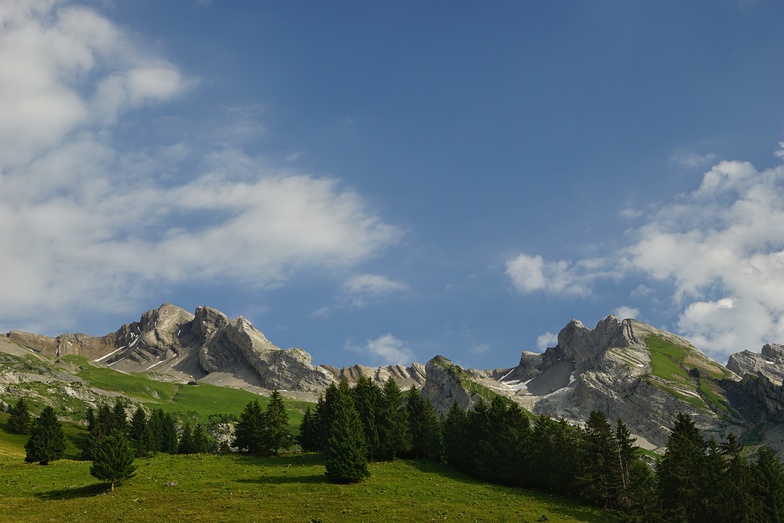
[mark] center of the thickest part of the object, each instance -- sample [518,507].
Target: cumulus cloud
[779,153]
[548,339]
[624,312]
[387,349]
[88,224]
[533,273]
[720,246]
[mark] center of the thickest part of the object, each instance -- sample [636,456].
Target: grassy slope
[671,364]
[218,488]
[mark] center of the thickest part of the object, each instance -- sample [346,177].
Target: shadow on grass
[564,506]
[77,492]
[311,479]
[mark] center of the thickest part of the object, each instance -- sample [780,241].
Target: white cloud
[548,339]
[533,273]
[720,246]
[624,312]
[387,349]
[372,284]
[779,153]
[87,224]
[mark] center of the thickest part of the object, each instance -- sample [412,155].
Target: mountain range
[622,367]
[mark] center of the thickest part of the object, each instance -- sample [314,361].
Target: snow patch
[113,352]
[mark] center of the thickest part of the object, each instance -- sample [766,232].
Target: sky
[382,182]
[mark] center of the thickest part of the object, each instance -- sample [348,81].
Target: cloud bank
[88,224]
[721,247]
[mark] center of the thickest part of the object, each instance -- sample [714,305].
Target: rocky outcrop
[446,384]
[769,363]
[405,377]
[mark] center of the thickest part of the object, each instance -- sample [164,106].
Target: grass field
[291,488]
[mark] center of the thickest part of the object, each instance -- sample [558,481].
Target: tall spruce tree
[308,437]
[457,442]
[425,427]
[367,400]
[138,424]
[113,459]
[769,485]
[46,441]
[393,431]
[20,419]
[275,430]
[602,479]
[201,443]
[678,473]
[345,456]
[186,440]
[248,431]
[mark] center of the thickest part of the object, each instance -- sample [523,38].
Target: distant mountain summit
[207,346]
[624,368]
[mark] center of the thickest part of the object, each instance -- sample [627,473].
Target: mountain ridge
[623,367]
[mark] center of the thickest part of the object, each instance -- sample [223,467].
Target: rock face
[768,363]
[208,346]
[625,369]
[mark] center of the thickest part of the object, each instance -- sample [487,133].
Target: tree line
[696,480]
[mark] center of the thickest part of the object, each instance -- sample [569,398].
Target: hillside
[624,368]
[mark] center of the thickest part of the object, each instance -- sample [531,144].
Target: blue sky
[383,182]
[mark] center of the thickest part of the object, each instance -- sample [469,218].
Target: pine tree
[769,485]
[602,479]
[275,430]
[47,440]
[138,424]
[201,444]
[169,440]
[679,484]
[393,432]
[247,433]
[367,399]
[186,440]
[113,459]
[20,418]
[424,427]
[346,456]
[308,437]
[456,439]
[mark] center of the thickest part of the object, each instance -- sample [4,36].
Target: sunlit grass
[289,488]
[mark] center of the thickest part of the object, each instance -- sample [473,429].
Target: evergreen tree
[147,443]
[346,456]
[138,424]
[247,433]
[456,438]
[602,479]
[47,440]
[20,418]
[424,427]
[514,442]
[679,486]
[119,418]
[308,437]
[367,399]
[153,434]
[275,429]
[735,500]
[201,444]
[393,431]
[169,440]
[769,485]
[186,445]
[113,459]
